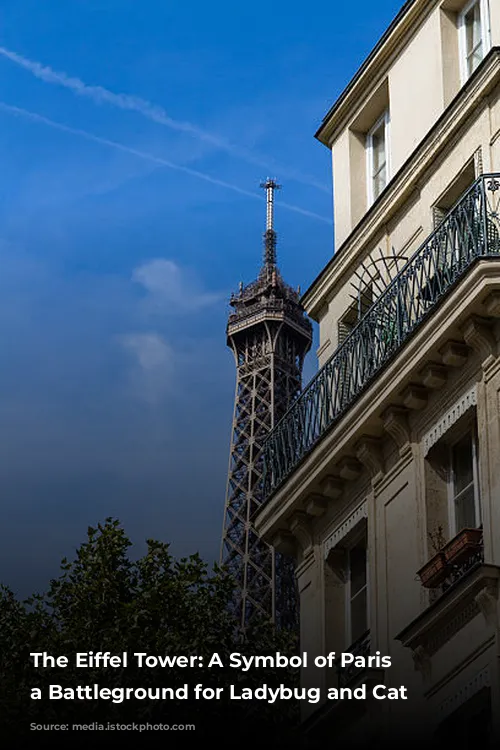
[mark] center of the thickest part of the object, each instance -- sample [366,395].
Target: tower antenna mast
[270,235]
[269,335]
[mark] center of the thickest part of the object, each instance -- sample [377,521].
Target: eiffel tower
[269,335]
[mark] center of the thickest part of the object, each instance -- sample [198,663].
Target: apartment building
[383,478]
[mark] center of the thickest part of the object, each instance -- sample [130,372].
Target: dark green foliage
[103,601]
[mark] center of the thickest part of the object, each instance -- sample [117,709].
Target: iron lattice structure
[269,335]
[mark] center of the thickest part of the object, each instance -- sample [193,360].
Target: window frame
[462,39]
[362,536]
[384,120]
[452,516]
[350,318]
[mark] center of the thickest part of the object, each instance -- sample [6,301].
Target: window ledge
[339,715]
[476,593]
[439,335]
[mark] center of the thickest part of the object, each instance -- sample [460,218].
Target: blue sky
[133,140]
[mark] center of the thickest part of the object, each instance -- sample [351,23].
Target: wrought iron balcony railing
[455,561]
[470,231]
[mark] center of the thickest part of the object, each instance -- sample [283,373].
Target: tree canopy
[104,601]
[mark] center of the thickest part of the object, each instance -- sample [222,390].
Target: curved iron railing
[469,232]
[283,306]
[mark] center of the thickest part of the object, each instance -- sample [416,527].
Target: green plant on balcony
[436,570]
[388,332]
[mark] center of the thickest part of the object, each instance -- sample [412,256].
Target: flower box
[434,572]
[463,545]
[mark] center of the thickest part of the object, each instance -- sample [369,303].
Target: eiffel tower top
[268,296]
[270,235]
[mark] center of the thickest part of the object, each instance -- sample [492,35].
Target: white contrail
[149,110]
[149,157]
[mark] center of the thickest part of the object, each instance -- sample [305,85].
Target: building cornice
[367,414]
[371,71]
[438,623]
[406,181]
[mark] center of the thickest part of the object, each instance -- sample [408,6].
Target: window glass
[358,569]
[473,37]
[358,599]
[465,511]
[377,158]
[464,483]
[359,619]
[379,171]
[463,464]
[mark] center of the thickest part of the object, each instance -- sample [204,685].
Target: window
[451,251]
[357,590]
[377,151]
[454,192]
[473,28]
[354,313]
[469,726]
[464,484]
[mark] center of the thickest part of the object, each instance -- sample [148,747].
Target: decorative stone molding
[478,682]
[315,505]
[414,397]
[486,600]
[332,487]
[492,304]
[305,569]
[285,543]
[478,162]
[369,452]
[454,354]
[395,421]
[422,661]
[336,559]
[452,626]
[349,468]
[322,349]
[478,335]
[360,513]
[434,376]
[459,408]
[452,611]
[300,528]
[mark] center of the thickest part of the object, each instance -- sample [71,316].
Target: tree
[102,601]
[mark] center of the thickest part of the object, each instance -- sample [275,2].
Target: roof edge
[494,52]
[402,13]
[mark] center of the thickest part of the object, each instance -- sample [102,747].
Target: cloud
[172,289]
[153,365]
[158,370]
[153,112]
[34,117]
[151,350]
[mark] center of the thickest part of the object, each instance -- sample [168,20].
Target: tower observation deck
[269,335]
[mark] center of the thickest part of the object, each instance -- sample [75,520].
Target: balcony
[458,558]
[463,594]
[470,233]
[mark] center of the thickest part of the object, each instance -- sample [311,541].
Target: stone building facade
[383,479]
